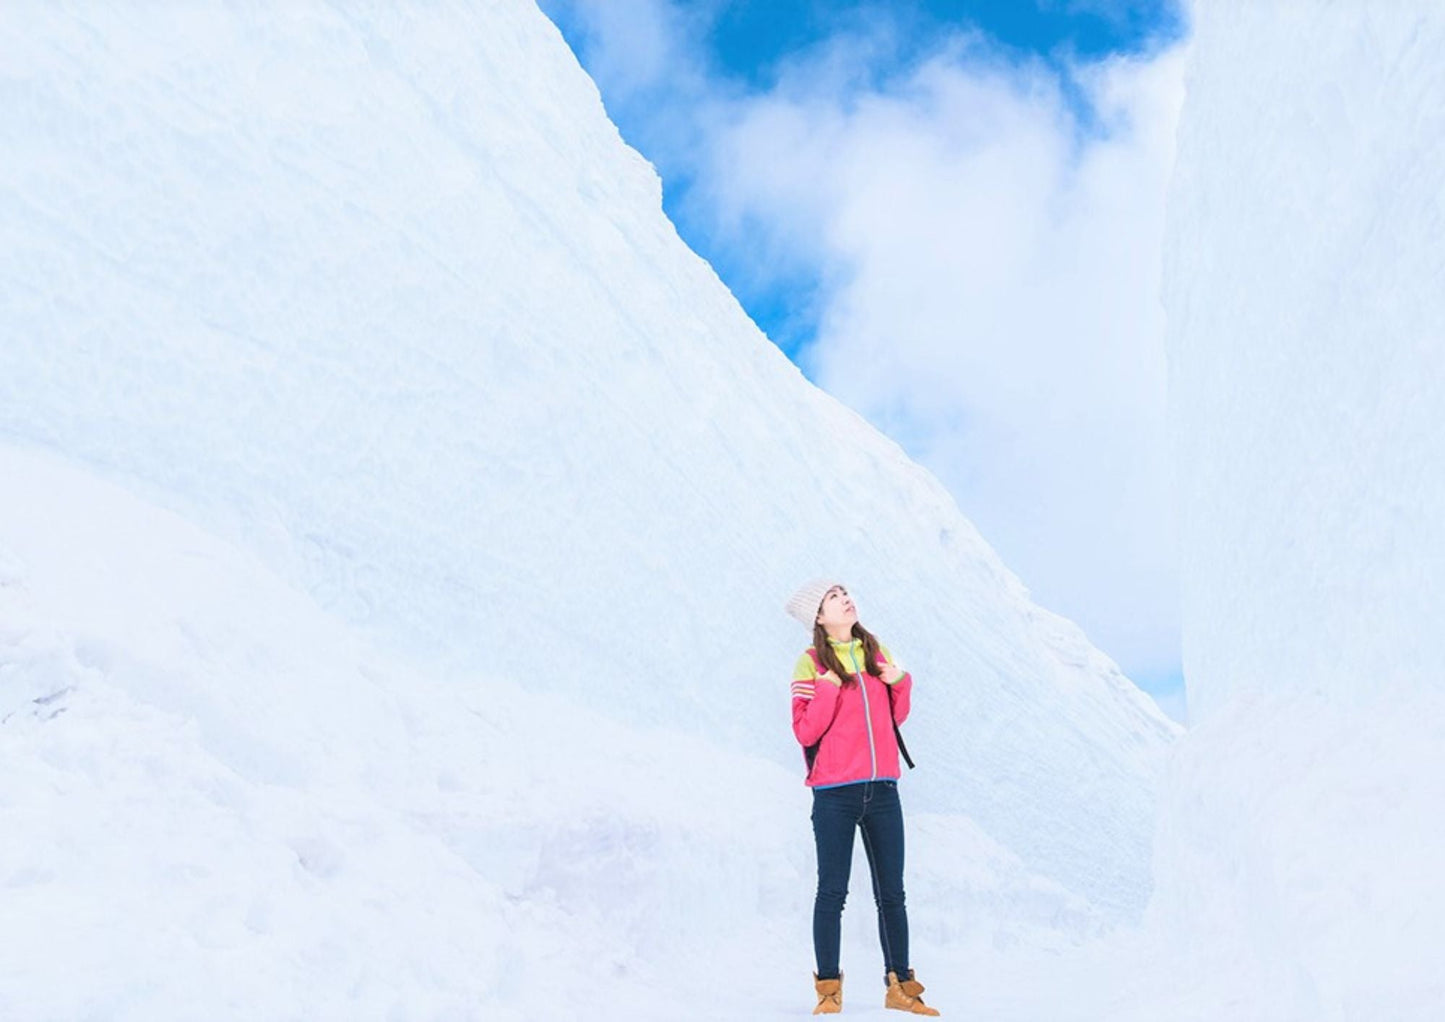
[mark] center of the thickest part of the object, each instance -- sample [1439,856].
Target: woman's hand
[831,677]
[891,674]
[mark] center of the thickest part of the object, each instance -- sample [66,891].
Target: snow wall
[1302,833]
[376,296]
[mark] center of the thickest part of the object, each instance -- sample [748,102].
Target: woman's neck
[845,635]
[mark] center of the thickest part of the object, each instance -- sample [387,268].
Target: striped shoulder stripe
[803,690]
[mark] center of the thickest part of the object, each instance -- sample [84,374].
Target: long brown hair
[830,659]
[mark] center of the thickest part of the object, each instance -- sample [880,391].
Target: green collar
[853,648]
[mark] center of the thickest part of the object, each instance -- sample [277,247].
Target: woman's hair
[830,659]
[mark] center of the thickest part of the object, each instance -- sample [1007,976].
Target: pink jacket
[854,725]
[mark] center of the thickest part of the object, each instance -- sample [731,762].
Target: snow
[397,520]
[220,800]
[1301,833]
[1305,398]
[427,346]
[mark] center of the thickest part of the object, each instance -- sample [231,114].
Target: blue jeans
[873,807]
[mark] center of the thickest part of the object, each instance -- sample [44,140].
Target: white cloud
[994,306]
[990,279]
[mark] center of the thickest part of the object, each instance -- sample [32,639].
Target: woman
[848,693]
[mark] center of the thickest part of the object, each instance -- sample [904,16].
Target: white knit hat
[803,605]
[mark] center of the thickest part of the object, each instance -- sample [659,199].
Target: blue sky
[747,37]
[947,213]
[743,43]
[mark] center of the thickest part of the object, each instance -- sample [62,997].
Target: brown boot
[905,996]
[830,995]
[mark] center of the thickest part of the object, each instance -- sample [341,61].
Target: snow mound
[220,802]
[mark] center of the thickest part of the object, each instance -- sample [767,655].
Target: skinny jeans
[873,808]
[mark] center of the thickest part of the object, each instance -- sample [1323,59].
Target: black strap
[902,749]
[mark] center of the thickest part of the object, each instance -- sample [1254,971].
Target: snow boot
[905,996]
[830,995]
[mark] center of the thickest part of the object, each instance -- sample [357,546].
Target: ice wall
[377,293]
[1301,835]
[1307,348]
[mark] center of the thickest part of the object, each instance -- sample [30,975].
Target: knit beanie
[803,605]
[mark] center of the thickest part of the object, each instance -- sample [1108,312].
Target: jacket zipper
[867,715]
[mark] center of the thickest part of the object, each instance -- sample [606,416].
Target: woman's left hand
[890,672]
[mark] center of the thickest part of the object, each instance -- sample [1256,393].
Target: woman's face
[837,610]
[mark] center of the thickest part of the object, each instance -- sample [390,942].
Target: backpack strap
[902,749]
[898,734]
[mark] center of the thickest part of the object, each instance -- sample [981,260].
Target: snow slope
[1300,842]
[220,802]
[377,295]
